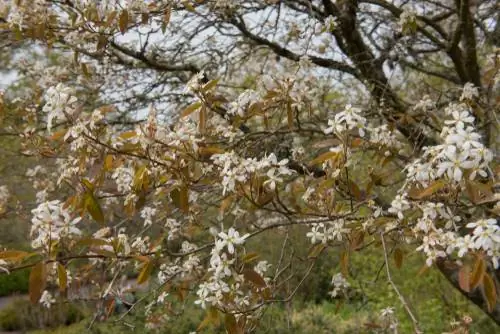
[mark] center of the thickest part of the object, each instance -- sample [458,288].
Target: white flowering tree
[176,132]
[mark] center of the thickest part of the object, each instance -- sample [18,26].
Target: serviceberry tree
[174,133]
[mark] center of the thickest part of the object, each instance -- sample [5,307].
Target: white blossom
[60,102]
[231,238]
[47,299]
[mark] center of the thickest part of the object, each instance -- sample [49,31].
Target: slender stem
[401,297]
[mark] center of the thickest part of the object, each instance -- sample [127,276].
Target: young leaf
[254,277]
[344,263]
[398,257]
[464,278]
[316,250]
[212,318]
[416,193]
[13,255]
[123,21]
[202,123]
[93,208]
[190,109]
[477,273]
[62,275]
[357,239]
[250,257]
[289,114]
[231,325]
[323,157]
[180,197]
[37,281]
[209,85]
[145,273]
[490,292]
[166,16]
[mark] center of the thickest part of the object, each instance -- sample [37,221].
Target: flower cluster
[387,315]
[340,285]
[462,151]
[52,221]
[236,169]
[244,100]
[348,119]
[329,231]
[60,103]
[47,299]
[224,280]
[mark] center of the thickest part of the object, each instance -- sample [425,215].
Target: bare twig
[401,297]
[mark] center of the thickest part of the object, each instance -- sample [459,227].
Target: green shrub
[22,315]
[15,282]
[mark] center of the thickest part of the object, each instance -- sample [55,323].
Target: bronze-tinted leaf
[289,114]
[167,15]
[202,121]
[398,257]
[357,239]
[209,85]
[108,162]
[464,278]
[250,257]
[316,250]
[180,197]
[93,207]
[434,187]
[13,255]
[37,282]
[127,134]
[324,157]
[62,276]
[477,273]
[92,242]
[254,277]
[356,191]
[123,21]
[211,318]
[344,263]
[231,325]
[145,273]
[190,109]
[490,292]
